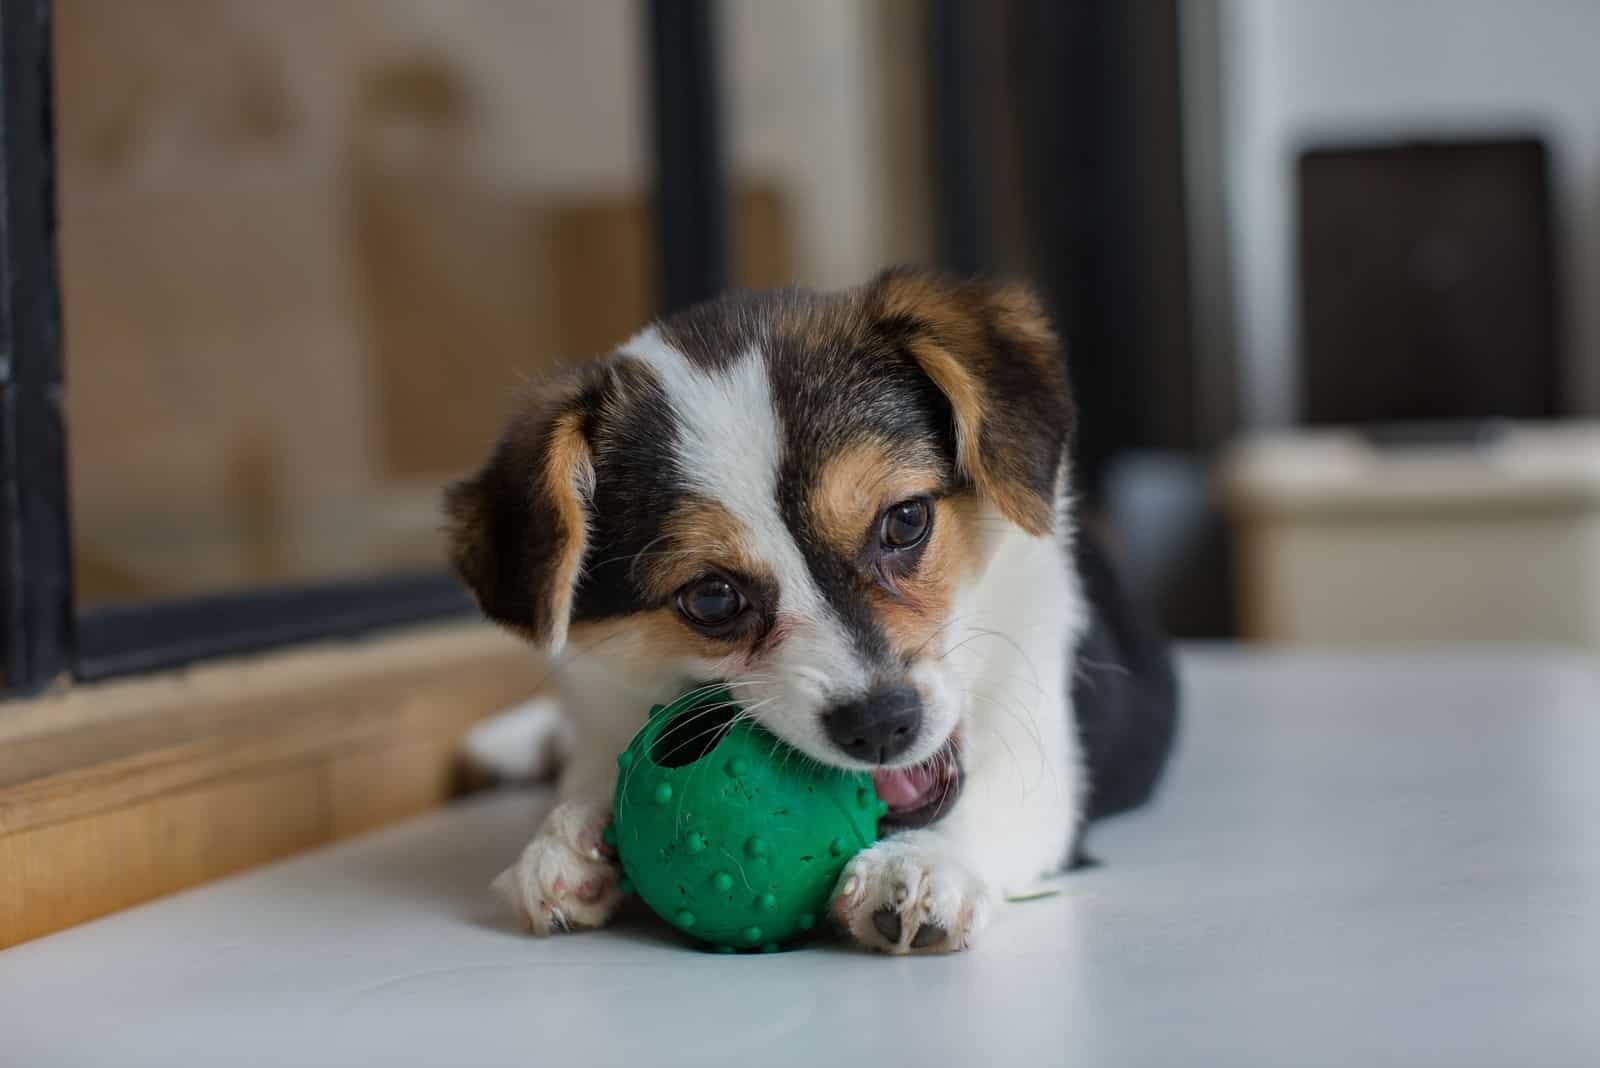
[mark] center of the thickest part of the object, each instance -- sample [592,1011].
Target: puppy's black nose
[878,727]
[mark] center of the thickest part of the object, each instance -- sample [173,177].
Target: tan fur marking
[858,483]
[952,348]
[1019,315]
[659,631]
[569,479]
[967,402]
[698,535]
[919,607]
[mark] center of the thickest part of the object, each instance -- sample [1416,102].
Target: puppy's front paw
[909,897]
[567,878]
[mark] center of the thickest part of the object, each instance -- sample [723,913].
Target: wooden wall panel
[116,794]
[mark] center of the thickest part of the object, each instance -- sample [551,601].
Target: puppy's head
[793,492]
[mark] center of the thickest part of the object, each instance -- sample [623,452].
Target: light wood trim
[116,793]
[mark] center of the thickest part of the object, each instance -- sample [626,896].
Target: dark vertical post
[691,201]
[1084,185]
[36,620]
[960,188]
[1098,89]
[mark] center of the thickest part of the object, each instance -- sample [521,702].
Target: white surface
[1358,861]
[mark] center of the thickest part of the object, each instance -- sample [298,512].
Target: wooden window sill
[117,793]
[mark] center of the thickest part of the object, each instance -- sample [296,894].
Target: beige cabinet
[1341,542]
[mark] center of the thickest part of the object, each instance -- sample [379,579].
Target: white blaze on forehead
[728,429]
[730,447]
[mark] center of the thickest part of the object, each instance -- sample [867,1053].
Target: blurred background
[1326,269]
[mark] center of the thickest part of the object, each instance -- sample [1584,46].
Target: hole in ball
[691,736]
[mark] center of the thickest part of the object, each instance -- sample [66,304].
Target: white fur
[564,881]
[1023,792]
[1000,674]
[529,741]
[926,883]
[730,448]
[1024,786]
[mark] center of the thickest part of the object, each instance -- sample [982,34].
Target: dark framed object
[961,184]
[690,188]
[1428,282]
[36,616]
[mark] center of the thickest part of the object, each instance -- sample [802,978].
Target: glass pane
[827,130]
[311,251]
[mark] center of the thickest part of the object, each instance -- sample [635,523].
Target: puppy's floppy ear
[519,527]
[990,350]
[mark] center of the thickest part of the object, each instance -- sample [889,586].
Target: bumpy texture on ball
[739,845]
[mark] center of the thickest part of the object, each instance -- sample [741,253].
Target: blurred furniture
[1341,540]
[1314,887]
[1160,513]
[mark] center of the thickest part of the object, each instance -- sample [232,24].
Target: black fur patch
[713,335]
[634,435]
[502,522]
[510,530]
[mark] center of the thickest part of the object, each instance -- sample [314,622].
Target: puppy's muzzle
[876,728]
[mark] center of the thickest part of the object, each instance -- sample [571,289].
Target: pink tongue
[903,788]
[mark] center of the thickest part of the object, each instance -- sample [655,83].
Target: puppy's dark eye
[711,602]
[905,525]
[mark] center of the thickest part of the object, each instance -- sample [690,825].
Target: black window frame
[36,612]
[44,639]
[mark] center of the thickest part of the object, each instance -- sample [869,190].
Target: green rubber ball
[727,833]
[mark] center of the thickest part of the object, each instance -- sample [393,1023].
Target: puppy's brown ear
[519,527]
[990,350]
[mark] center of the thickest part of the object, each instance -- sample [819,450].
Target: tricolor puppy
[855,508]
